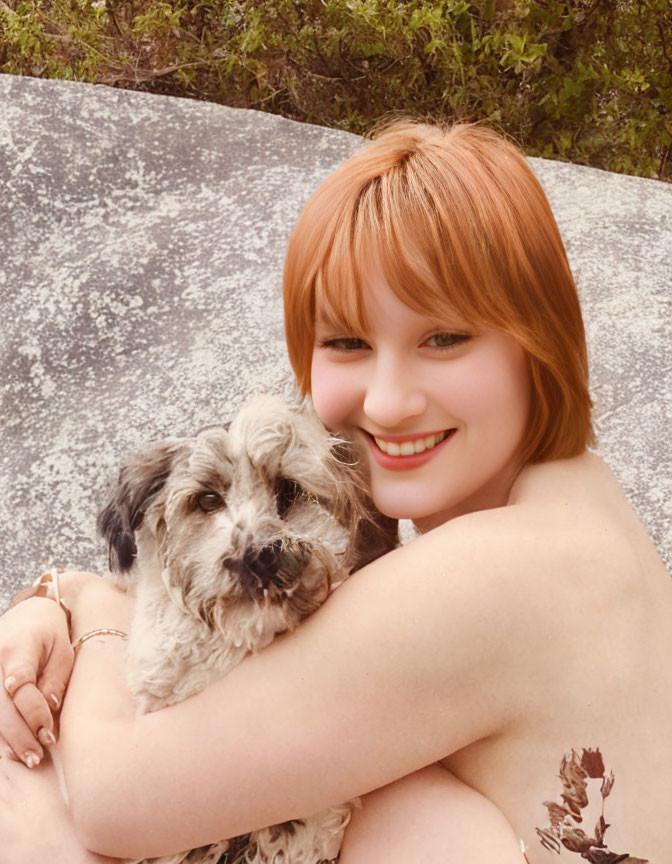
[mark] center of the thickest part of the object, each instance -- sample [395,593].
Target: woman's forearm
[97,699]
[133,780]
[380,681]
[119,765]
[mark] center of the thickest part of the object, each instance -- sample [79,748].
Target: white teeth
[407,448]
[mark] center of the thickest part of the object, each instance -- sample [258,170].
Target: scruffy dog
[228,539]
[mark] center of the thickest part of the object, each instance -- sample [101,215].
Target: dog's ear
[141,479]
[373,534]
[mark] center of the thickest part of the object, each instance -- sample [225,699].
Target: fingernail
[54,699]
[45,736]
[10,684]
[31,759]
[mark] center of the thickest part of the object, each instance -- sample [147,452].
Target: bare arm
[410,660]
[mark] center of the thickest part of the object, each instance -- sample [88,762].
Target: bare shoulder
[490,582]
[581,515]
[568,542]
[510,556]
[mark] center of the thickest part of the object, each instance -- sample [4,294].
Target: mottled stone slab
[143,240]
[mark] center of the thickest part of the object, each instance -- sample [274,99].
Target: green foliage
[584,80]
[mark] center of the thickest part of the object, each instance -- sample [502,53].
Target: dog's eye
[209,501]
[287,493]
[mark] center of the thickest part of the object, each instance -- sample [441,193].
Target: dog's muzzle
[279,565]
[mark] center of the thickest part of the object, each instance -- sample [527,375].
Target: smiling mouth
[409,448]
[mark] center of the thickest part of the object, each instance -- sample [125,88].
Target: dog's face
[255,518]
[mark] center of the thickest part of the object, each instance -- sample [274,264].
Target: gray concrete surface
[142,248]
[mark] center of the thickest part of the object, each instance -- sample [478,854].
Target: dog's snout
[264,564]
[279,564]
[258,568]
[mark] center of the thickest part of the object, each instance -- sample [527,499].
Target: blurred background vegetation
[589,81]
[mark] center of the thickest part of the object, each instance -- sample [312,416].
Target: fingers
[34,673]
[20,685]
[18,736]
[27,722]
[53,679]
[16,673]
[35,664]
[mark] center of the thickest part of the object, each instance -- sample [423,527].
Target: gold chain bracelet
[102,631]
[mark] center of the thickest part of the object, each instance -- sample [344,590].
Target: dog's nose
[258,567]
[263,564]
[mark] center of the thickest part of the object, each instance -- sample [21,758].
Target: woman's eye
[209,501]
[349,343]
[446,340]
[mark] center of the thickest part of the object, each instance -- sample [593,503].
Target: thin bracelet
[103,631]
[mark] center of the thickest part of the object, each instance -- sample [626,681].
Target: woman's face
[438,409]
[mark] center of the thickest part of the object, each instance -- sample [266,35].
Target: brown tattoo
[565,818]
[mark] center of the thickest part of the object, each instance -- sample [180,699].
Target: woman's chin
[403,507]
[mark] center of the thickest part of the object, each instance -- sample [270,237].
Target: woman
[431,313]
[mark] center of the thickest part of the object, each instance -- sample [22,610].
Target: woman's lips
[406,462]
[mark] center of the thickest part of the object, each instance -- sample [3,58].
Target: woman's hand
[35,664]
[36,660]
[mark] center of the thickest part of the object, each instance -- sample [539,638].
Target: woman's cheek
[329,392]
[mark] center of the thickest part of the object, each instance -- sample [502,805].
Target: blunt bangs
[395,226]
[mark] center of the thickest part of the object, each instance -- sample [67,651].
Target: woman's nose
[392,396]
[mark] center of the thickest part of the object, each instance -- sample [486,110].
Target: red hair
[459,222]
